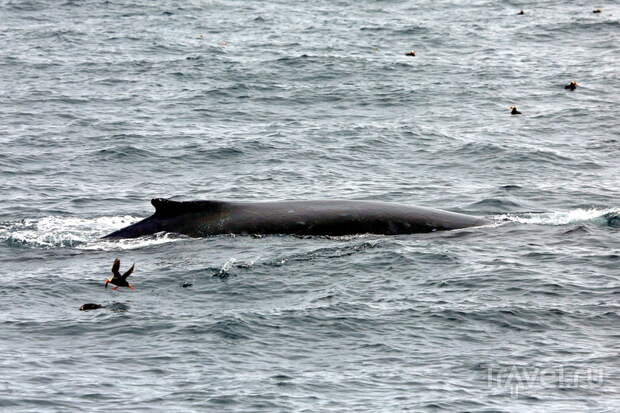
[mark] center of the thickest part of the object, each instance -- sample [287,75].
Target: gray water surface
[107,104]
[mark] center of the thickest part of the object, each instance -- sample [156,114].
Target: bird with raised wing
[118,279]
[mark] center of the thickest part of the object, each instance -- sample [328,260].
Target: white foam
[132,243]
[58,231]
[72,232]
[559,218]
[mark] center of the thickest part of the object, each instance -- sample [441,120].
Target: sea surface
[107,104]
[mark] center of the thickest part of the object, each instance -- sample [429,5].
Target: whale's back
[330,217]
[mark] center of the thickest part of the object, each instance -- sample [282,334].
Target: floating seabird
[91,306]
[571,86]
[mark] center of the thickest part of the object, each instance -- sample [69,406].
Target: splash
[224,272]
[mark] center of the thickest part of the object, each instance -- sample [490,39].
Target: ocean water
[107,104]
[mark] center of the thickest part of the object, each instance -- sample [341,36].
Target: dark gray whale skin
[204,218]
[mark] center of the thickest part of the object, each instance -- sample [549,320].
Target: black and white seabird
[571,86]
[118,279]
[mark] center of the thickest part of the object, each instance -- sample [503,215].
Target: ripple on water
[108,104]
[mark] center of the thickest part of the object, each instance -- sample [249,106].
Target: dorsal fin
[166,208]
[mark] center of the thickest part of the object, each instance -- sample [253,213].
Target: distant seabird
[571,86]
[91,306]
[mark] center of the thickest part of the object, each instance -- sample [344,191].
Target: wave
[232,266]
[121,152]
[332,252]
[495,205]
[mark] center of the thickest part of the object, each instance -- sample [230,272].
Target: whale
[322,217]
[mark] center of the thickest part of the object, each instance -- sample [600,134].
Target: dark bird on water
[596,11]
[571,86]
[514,110]
[411,53]
[118,279]
[116,307]
[521,12]
[91,306]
